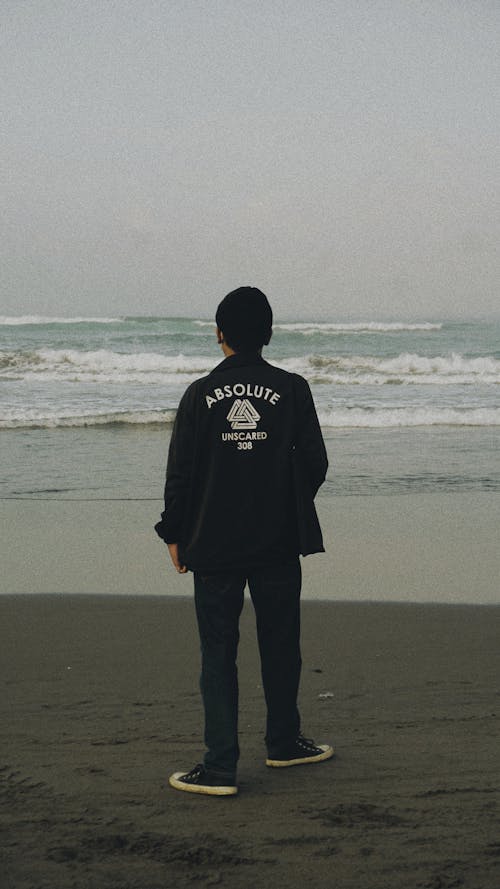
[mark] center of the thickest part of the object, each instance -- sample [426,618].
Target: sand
[423,547]
[100,703]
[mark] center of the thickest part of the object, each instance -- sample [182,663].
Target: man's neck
[228,351]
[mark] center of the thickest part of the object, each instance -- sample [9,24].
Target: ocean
[87,404]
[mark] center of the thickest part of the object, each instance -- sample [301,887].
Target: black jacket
[246,459]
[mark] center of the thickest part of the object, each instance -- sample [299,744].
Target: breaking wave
[307,327]
[336,418]
[38,420]
[14,321]
[408,416]
[404,369]
[311,327]
[100,365]
[104,365]
[356,327]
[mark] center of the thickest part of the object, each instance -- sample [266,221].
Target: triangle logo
[243,415]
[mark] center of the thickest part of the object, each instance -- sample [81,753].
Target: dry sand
[100,703]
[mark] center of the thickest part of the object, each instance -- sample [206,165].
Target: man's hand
[173,549]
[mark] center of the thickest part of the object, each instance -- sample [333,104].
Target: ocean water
[86,404]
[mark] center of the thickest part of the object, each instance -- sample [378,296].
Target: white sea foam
[339,418]
[408,416]
[310,327]
[105,365]
[404,369]
[48,319]
[101,365]
[39,420]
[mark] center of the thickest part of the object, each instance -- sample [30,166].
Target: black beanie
[245,318]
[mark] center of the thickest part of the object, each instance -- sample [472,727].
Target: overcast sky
[343,155]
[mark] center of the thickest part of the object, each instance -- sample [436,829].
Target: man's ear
[220,336]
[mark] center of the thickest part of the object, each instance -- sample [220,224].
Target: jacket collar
[241,359]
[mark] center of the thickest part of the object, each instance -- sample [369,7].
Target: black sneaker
[198,780]
[301,752]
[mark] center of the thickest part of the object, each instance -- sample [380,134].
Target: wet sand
[420,547]
[100,703]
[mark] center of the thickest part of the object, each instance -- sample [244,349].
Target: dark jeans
[275,592]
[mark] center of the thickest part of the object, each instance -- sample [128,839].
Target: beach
[99,654]
[343,157]
[100,703]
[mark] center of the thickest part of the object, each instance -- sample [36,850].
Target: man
[245,461]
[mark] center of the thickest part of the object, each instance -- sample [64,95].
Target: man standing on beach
[246,459]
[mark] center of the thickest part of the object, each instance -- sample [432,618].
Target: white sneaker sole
[217,790]
[327,753]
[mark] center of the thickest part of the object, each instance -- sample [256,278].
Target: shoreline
[305,602]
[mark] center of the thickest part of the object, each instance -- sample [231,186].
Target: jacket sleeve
[179,472]
[308,436]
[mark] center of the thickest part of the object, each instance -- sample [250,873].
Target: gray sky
[340,154]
